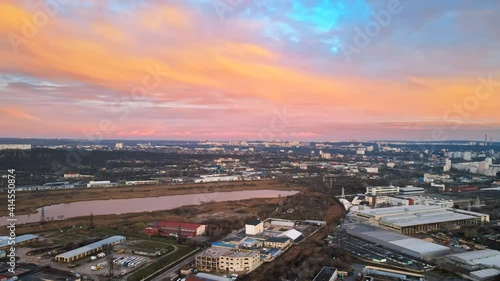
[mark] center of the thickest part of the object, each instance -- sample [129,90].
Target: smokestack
[485,139]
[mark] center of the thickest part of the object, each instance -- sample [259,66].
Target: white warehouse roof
[411,246]
[92,246]
[409,220]
[292,234]
[485,274]
[490,258]
[4,240]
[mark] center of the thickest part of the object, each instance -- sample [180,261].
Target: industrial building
[232,260]
[174,229]
[91,184]
[207,277]
[414,219]
[21,239]
[142,182]
[406,200]
[479,216]
[212,178]
[379,273]
[412,247]
[254,227]
[411,190]
[89,249]
[327,274]
[382,190]
[15,146]
[483,265]
[277,242]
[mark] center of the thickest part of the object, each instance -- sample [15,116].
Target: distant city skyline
[284,70]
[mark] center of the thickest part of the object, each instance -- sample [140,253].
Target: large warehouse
[169,228]
[414,219]
[21,239]
[403,244]
[89,249]
[481,265]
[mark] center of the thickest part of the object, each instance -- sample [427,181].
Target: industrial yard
[116,255]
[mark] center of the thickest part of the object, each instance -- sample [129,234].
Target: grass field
[159,264]
[28,202]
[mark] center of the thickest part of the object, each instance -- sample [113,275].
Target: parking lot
[122,260]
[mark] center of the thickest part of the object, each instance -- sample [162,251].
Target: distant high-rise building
[119,145]
[467,156]
[15,146]
[447,165]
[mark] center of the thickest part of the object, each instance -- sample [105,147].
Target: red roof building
[167,228]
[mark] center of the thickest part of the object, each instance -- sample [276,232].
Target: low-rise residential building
[429,178]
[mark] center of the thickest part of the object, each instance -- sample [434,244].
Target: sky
[250,70]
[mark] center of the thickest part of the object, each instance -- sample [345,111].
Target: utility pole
[43,219]
[91,226]
[178,234]
[109,253]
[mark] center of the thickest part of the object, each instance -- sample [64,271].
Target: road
[174,269]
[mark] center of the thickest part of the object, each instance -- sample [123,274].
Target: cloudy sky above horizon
[247,70]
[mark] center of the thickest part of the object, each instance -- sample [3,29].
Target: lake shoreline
[29,202]
[145,204]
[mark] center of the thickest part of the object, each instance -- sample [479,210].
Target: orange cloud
[222,65]
[18,113]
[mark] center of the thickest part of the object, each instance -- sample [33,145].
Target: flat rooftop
[487,257]
[396,210]
[420,219]
[325,274]
[417,215]
[413,244]
[216,252]
[92,246]
[4,240]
